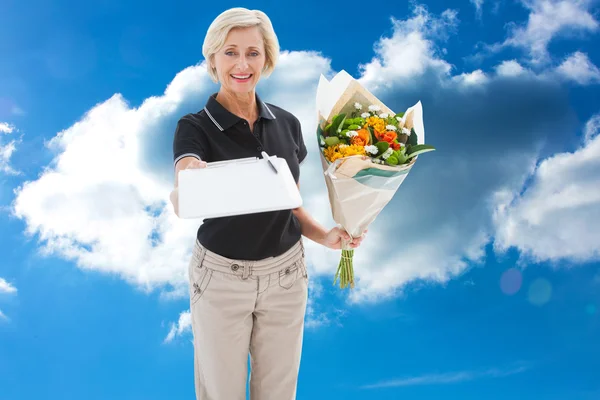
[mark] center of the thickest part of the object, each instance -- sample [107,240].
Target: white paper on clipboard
[236,187]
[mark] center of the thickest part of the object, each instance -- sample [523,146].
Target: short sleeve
[188,141]
[302,151]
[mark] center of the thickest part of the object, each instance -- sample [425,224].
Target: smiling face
[241,60]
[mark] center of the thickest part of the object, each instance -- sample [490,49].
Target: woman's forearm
[311,229]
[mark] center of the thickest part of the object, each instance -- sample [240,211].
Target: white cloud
[433,251]
[449,378]
[5,127]
[477,77]
[478,7]
[184,325]
[6,287]
[411,51]
[547,21]
[7,150]
[554,217]
[97,203]
[510,68]
[579,68]
[592,128]
[320,313]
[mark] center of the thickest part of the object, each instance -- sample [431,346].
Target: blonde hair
[240,18]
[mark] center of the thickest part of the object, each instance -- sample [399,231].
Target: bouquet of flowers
[367,150]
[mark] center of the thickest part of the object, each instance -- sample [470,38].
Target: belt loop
[302,246]
[246,272]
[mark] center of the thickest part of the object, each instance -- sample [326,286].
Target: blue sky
[480,279]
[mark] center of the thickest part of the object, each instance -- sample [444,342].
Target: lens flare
[511,281]
[540,292]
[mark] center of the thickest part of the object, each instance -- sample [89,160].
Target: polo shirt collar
[224,119]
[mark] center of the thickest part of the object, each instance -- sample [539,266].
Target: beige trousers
[241,308]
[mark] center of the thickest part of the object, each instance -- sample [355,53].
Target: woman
[248,276]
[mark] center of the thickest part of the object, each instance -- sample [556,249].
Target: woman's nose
[242,63]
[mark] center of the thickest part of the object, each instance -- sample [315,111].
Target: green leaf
[322,140]
[382,147]
[372,133]
[402,158]
[419,149]
[320,134]
[412,138]
[399,115]
[392,160]
[332,140]
[336,124]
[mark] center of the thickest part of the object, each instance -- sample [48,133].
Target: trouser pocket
[199,276]
[288,276]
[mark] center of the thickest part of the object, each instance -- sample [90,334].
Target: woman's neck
[241,104]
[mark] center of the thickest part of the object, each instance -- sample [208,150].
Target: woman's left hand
[334,238]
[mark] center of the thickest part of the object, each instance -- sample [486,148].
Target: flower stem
[345,270]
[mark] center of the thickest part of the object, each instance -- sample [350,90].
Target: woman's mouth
[242,78]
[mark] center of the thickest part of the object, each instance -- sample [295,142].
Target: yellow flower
[332,153]
[377,123]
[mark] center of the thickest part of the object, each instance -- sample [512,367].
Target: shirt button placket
[256,136]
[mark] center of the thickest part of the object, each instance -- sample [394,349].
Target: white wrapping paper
[358,187]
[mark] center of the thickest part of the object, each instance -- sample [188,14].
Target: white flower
[371,149]
[365,115]
[391,128]
[322,142]
[406,131]
[343,145]
[351,133]
[384,115]
[399,119]
[387,153]
[358,106]
[374,107]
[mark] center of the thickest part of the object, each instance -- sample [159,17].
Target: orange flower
[362,139]
[358,141]
[396,146]
[389,136]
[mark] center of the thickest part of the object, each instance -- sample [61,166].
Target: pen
[270,162]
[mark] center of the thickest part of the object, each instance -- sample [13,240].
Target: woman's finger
[196,164]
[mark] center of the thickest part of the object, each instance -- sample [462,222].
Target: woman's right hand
[184,163]
[195,163]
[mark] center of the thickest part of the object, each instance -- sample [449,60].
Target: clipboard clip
[266,156]
[217,164]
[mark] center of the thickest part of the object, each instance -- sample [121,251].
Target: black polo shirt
[215,134]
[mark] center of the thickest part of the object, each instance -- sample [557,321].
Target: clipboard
[237,187]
